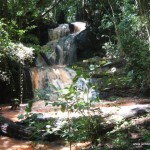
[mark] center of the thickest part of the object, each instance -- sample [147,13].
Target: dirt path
[6,143]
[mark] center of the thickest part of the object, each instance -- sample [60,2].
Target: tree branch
[54,4]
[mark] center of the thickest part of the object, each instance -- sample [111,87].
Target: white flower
[113,69]
[48,126]
[20,51]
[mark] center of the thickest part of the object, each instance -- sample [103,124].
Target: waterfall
[68,44]
[59,77]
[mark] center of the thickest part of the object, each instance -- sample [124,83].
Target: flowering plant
[20,52]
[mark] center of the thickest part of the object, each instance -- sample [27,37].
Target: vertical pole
[21,83]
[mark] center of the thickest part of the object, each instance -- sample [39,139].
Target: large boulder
[66,29]
[49,57]
[88,45]
[70,43]
[59,32]
[76,47]
[66,50]
[62,51]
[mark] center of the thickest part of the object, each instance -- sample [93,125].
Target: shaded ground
[7,143]
[122,106]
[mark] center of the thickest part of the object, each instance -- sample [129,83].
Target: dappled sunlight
[122,107]
[13,114]
[115,111]
[7,143]
[74,71]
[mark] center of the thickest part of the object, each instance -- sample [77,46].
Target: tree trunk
[120,47]
[11,129]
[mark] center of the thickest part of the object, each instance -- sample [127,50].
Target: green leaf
[63,107]
[29,107]
[78,73]
[108,63]
[21,116]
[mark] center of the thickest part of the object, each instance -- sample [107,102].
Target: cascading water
[63,48]
[59,77]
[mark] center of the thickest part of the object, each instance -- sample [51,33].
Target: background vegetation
[123,27]
[125,24]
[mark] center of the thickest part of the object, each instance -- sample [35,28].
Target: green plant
[15,103]
[135,43]
[75,99]
[45,94]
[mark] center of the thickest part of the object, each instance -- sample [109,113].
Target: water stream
[51,68]
[43,78]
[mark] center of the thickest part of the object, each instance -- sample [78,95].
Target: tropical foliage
[123,28]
